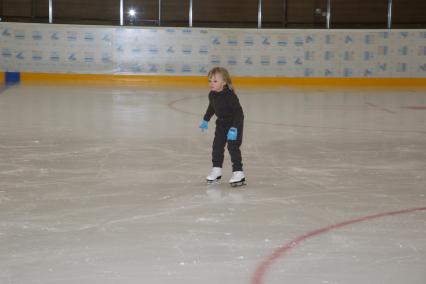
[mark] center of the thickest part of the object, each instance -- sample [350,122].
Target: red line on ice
[415,107]
[263,268]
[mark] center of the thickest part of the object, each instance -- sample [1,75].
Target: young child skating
[224,103]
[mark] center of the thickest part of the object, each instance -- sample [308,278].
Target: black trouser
[219,141]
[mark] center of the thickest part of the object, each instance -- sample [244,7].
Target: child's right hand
[204,125]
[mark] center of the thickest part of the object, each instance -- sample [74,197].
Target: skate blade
[210,182]
[238,183]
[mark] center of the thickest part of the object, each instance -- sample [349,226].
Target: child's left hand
[232,134]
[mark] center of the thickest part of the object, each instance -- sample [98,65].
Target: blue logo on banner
[186,31]
[121,68]
[20,56]
[348,56]
[309,55]
[54,56]
[71,37]
[328,73]
[328,55]
[329,39]
[216,41]
[282,42]
[20,35]
[187,50]
[137,68]
[89,37]
[6,53]
[309,39]
[402,67]
[384,35]
[232,42]
[6,33]
[72,57]
[153,68]
[153,49]
[348,72]
[215,60]
[232,61]
[106,38]
[266,41]
[203,70]
[54,36]
[120,48]
[404,34]
[106,58]
[89,59]
[248,61]
[368,55]
[368,73]
[37,35]
[281,61]
[422,68]
[170,69]
[349,39]
[37,56]
[186,68]
[403,50]
[170,31]
[298,41]
[136,50]
[203,50]
[383,50]
[170,50]
[265,61]
[298,61]
[248,41]
[309,72]
[370,39]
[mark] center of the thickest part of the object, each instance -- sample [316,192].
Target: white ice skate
[237,179]
[214,176]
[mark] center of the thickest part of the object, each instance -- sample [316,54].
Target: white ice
[105,184]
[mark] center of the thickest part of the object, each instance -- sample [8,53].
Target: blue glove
[204,125]
[232,134]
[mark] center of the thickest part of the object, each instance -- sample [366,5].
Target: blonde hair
[225,76]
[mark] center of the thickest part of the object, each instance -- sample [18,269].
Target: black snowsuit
[226,106]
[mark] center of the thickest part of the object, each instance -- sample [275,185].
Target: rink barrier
[12,78]
[8,79]
[2,82]
[135,80]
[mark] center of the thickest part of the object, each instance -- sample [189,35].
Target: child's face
[216,83]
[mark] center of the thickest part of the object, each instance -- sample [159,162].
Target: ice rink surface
[105,184]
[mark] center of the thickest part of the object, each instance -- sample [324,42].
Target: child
[224,103]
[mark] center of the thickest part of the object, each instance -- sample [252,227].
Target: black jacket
[226,106]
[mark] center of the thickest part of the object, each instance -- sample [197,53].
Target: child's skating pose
[224,103]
